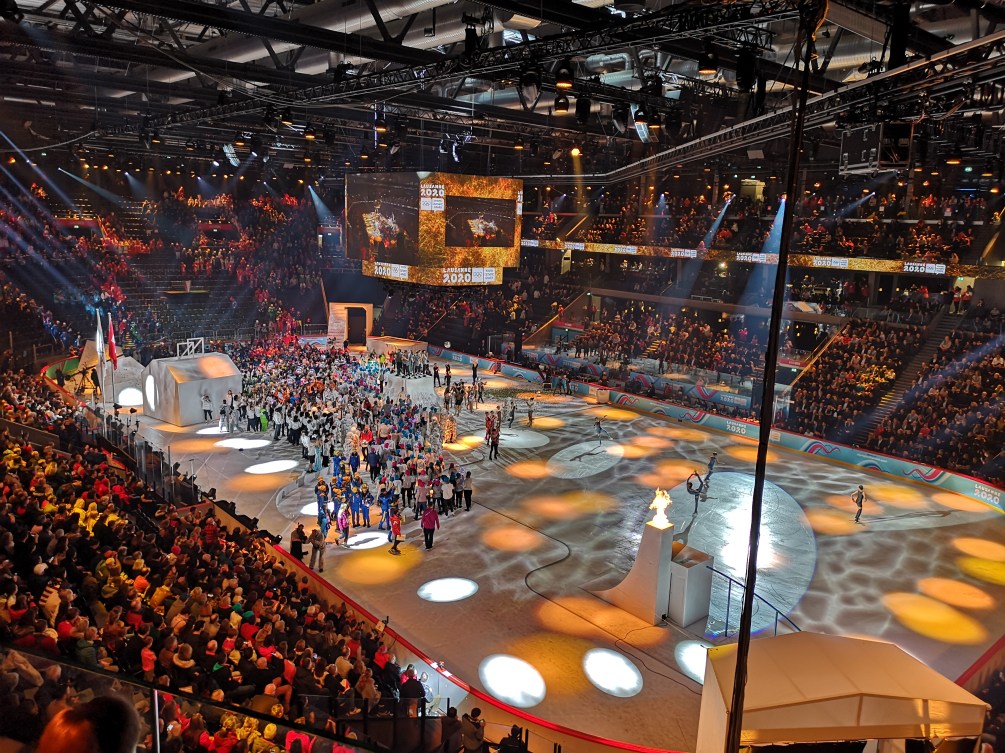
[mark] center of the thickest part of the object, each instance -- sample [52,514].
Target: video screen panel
[466,227]
[475,222]
[382,218]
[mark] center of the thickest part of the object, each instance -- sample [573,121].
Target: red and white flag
[111,345]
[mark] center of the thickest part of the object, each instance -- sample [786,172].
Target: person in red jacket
[395,530]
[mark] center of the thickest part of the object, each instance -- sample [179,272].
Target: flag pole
[114,359]
[100,347]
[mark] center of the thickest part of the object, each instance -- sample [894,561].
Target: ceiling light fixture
[565,78]
[561,104]
[529,87]
[708,61]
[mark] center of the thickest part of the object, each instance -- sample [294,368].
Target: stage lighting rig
[529,87]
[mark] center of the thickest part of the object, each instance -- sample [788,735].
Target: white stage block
[380,345]
[419,389]
[173,387]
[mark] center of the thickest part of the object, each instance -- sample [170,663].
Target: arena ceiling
[454,83]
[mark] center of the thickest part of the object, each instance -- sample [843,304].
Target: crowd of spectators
[928,228]
[675,340]
[831,397]
[993,693]
[524,300]
[97,570]
[951,415]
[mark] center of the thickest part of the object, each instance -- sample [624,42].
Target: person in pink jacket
[430,522]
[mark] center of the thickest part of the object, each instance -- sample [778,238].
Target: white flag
[99,343]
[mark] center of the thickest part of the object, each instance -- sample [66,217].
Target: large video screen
[434,228]
[382,218]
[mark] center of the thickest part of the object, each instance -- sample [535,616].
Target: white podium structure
[690,586]
[645,591]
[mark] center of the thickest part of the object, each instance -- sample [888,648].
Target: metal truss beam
[866,20]
[31,76]
[678,22]
[559,12]
[907,88]
[281,29]
[98,52]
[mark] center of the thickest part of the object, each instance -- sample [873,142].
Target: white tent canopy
[809,687]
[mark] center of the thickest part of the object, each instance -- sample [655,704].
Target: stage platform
[557,516]
[419,389]
[385,345]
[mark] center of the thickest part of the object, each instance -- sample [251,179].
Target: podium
[690,586]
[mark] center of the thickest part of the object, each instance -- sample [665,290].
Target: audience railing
[734,609]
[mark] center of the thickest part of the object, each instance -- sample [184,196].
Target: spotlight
[564,76]
[655,121]
[954,157]
[189,146]
[379,124]
[155,138]
[364,153]
[216,163]
[575,151]
[309,133]
[561,104]
[239,140]
[518,144]
[529,87]
[471,41]
[640,117]
[988,170]
[746,69]
[708,61]
[287,117]
[308,159]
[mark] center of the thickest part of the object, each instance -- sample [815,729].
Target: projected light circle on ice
[367,539]
[150,386]
[212,430]
[612,673]
[130,397]
[444,590]
[273,466]
[690,656]
[239,443]
[512,680]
